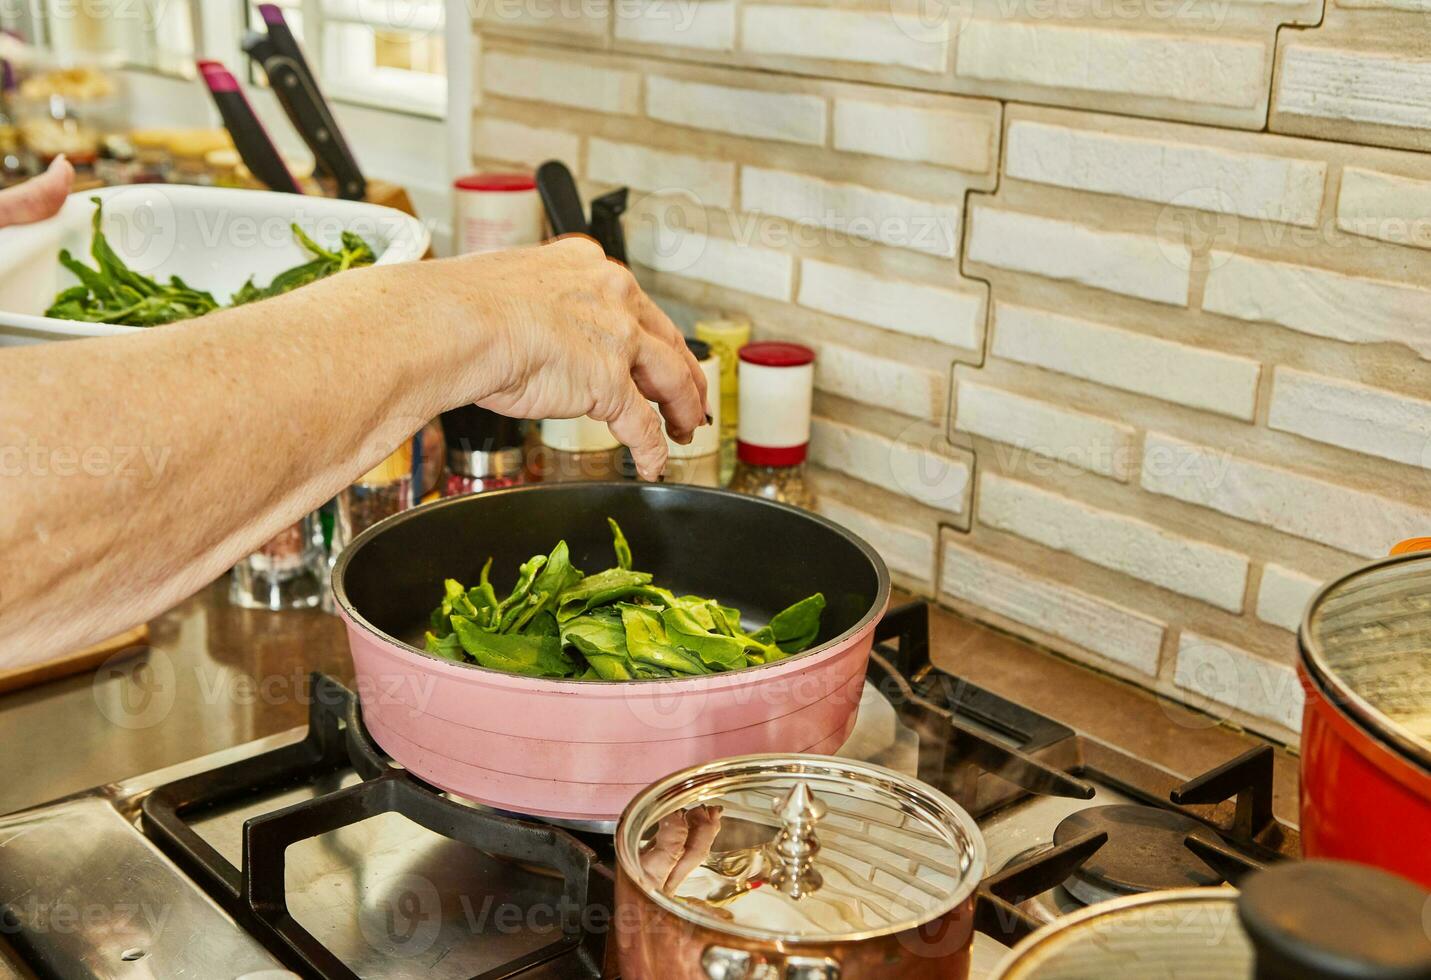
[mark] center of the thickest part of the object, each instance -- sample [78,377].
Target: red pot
[1366,756]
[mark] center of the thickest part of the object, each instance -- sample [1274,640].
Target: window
[382,53]
[387,54]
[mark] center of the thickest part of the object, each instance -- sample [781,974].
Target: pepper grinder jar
[777,383]
[484,450]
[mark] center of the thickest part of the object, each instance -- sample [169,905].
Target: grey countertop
[216,676]
[213,676]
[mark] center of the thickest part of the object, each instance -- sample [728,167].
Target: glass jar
[289,572]
[786,484]
[726,337]
[577,449]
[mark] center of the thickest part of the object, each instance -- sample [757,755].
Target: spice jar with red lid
[777,382]
[495,211]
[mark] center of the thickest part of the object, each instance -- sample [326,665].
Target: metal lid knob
[799,811]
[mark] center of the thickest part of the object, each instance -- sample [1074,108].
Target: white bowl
[213,238]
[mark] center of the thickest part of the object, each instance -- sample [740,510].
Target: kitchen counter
[216,676]
[213,676]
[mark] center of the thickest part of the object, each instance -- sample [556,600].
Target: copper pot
[795,867]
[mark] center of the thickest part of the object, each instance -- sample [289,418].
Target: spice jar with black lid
[777,383]
[484,450]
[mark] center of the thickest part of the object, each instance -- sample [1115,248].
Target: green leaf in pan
[795,627]
[618,542]
[526,578]
[598,590]
[601,640]
[447,647]
[482,596]
[647,642]
[616,624]
[715,651]
[516,653]
[542,624]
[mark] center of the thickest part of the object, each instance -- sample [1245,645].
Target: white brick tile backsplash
[1385,206]
[1119,634]
[560,82]
[1125,359]
[874,36]
[759,271]
[1238,679]
[863,212]
[712,182]
[1356,417]
[502,139]
[879,381]
[1284,595]
[912,308]
[1319,302]
[904,550]
[1134,265]
[708,24]
[936,479]
[1186,68]
[1354,521]
[793,117]
[1166,171]
[906,132]
[1125,544]
[1076,438]
[1360,86]
[585,21]
[1417,6]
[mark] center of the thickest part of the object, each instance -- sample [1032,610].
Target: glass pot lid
[1190,933]
[1367,639]
[800,848]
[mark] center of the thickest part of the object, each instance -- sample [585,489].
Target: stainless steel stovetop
[305,852]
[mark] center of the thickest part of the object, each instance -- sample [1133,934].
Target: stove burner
[1144,853]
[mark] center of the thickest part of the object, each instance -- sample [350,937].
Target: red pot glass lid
[1367,638]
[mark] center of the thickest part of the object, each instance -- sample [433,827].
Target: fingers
[39,197]
[702,823]
[663,377]
[637,425]
[654,321]
[666,849]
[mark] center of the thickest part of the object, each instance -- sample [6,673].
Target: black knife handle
[561,199]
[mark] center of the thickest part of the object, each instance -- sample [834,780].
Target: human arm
[135,469]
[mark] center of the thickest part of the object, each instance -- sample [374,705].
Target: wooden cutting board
[73,663]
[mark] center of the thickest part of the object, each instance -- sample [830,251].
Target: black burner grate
[336,739]
[982,749]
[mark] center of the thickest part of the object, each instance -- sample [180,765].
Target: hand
[39,197]
[577,336]
[682,843]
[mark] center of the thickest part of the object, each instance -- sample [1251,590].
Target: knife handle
[250,138]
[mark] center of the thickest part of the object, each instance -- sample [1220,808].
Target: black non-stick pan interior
[751,554]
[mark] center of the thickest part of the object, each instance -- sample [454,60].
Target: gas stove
[313,854]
